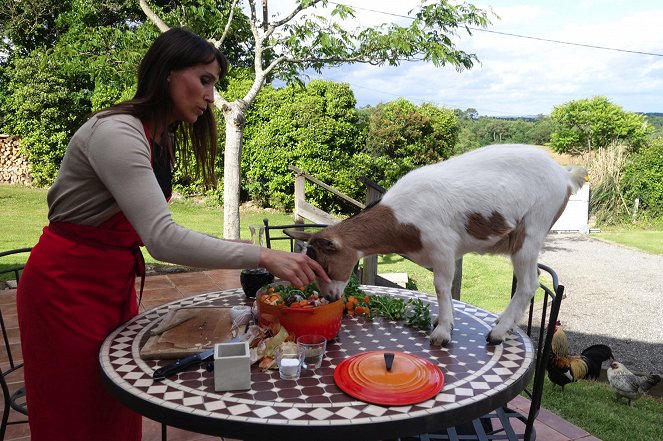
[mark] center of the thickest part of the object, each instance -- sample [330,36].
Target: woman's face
[192,90]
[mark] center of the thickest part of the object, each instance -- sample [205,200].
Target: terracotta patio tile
[179,278]
[561,425]
[156,282]
[197,288]
[166,294]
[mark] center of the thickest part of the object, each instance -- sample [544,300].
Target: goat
[499,199]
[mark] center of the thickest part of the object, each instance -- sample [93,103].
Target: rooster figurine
[563,368]
[626,384]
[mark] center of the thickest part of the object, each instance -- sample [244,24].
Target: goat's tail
[578,176]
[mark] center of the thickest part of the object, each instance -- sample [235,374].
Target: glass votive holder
[312,347]
[290,365]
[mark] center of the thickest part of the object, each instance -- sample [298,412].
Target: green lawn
[590,405]
[650,240]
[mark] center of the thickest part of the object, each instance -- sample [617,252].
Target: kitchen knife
[182,364]
[185,362]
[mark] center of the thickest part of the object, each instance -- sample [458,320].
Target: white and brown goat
[499,199]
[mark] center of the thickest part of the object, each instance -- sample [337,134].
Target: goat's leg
[526,271]
[444,323]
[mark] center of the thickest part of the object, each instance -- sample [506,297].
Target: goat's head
[336,257]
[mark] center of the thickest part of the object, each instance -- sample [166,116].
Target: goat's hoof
[440,336]
[493,340]
[442,343]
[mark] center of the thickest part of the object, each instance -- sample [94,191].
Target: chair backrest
[16,269]
[277,232]
[16,399]
[13,268]
[541,334]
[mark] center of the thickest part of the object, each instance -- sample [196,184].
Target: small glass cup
[257,235]
[312,347]
[290,365]
[254,279]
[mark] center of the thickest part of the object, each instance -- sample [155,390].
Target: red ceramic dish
[411,380]
[323,320]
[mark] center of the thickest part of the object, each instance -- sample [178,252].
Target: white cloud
[526,76]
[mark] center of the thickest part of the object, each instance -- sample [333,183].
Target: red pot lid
[412,379]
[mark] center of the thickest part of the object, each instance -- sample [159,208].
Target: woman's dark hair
[173,50]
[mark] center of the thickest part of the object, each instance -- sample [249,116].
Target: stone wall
[14,168]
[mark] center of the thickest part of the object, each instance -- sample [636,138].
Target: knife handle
[176,367]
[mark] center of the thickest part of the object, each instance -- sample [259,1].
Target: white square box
[232,366]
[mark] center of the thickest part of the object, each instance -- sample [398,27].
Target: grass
[650,240]
[590,405]
[486,279]
[23,214]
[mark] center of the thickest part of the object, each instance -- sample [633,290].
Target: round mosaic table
[478,378]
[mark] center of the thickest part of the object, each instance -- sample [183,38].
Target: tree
[62,63]
[589,124]
[289,44]
[402,137]
[313,128]
[62,60]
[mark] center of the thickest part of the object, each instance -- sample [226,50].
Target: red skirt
[78,285]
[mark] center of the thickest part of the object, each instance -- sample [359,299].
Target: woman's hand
[296,268]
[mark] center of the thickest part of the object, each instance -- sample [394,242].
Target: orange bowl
[323,320]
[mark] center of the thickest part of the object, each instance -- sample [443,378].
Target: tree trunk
[233,114]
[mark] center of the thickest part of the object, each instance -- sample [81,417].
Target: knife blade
[182,363]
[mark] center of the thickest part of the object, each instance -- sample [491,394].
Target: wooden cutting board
[192,330]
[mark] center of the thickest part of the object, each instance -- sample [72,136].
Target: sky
[520,76]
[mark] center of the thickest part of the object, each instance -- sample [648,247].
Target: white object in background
[240,314]
[576,214]
[232,366]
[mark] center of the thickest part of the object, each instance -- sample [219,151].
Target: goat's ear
[325,245]
[298,234]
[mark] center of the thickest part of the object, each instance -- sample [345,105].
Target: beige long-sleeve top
[107,169]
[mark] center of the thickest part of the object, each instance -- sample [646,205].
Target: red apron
[78,285]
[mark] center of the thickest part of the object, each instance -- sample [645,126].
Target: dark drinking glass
[254,279]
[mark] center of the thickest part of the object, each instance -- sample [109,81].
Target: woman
[110,198]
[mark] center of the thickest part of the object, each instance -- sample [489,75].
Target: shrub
[44,109]
[402,137]
[643,180]
[313,128]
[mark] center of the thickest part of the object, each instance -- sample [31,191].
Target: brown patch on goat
[477,225]
[377,231]
[482,228]
[327,250]
[512,242]
[372,231]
